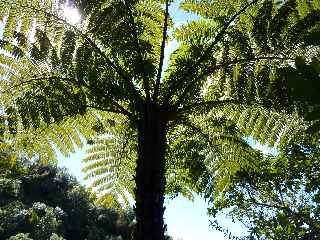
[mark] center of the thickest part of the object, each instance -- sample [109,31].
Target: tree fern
[253,56]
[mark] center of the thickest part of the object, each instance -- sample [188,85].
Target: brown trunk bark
[150,175]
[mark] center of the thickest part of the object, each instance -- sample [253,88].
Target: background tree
[44,203]
[238,53]
[281,200]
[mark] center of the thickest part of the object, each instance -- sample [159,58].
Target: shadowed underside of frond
[270,128]
[215,142]
[227,151]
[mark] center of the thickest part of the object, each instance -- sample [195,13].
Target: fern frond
[267,126]
[110,160]
[217,152]
[246,61]
[43,143]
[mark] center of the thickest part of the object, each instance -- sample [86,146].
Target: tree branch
[278,187]
[271,205]
[256,202]
[163,45]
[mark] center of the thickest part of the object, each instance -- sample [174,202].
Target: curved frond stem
[221,33]
[105,109]
[190,70]
[163,45]
[120,109]
[35,79]
[146,84]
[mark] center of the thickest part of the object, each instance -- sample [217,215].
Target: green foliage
[255,54]
[72,63]
[20,236]
[56,237]
[242,69]
[280,200]
[275,129]
[110,159]
[46,203]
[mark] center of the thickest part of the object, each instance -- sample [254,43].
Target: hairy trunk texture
[150,175]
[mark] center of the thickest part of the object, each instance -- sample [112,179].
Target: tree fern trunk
[150,175]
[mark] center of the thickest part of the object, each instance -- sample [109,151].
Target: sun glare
[72,15]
